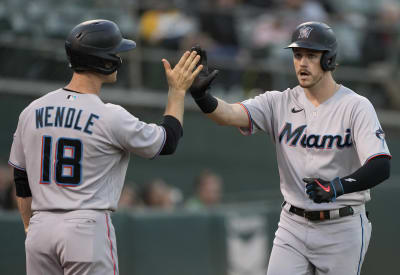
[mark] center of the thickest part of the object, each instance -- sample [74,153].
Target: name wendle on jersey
[51,116]
[314,140]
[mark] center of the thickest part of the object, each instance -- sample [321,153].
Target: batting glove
[203,80]
[320,190]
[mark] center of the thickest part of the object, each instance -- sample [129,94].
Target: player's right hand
[203,81]
[181,77]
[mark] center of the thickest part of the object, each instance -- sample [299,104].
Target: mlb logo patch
[71,97]
[304,32]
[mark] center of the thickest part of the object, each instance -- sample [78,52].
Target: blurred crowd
[158,194]
[238,35]
[230,29]
[7,188]
[239,29]
[154,194]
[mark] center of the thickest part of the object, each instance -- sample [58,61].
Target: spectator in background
[158,194]
[271,30]
[298,11]
[208,191]
[380,43]
[10,199]
[165,26]
[218,34]
[129,196]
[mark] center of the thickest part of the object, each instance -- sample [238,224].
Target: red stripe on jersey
[248,116]
[378,155]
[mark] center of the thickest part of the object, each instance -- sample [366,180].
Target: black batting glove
[320,190]
[203,80]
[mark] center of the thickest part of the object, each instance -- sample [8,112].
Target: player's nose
[303,61]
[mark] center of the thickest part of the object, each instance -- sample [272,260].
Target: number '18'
[67,161]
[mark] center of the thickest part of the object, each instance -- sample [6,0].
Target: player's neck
[85,83]
[322,91]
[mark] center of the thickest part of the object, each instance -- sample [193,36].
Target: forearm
[175,104]
[229,115]
[367,176]
[24,207]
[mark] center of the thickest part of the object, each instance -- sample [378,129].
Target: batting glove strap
[207,103]
[337,188]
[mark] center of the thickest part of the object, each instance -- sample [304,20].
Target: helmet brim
[125,45]
[307,45]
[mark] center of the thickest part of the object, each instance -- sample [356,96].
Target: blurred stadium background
[162,226]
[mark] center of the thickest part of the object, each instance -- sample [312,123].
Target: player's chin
[305,83]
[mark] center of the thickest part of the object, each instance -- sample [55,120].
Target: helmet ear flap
[328,61]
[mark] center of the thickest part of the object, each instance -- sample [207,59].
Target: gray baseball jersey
[328,141]
[75,150]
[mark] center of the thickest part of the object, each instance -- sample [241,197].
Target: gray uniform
[75,150]
[328,141]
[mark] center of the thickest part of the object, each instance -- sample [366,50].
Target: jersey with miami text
[331,140]
[75,150]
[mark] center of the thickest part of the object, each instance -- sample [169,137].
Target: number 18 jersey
[75,150]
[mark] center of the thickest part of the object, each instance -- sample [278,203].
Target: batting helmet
[93,46]
[317,36]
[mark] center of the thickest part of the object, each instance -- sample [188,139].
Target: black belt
[320,215]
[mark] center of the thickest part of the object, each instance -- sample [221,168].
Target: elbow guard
[174,132]
[22,188]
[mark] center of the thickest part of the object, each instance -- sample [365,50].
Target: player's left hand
[181,77]
[320,190]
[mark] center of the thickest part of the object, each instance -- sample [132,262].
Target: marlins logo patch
[380,134]
[304,32]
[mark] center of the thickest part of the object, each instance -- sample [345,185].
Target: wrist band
[207,103]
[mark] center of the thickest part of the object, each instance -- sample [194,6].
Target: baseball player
[330,149]
[71,151]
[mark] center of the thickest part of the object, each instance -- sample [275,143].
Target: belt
[320,215]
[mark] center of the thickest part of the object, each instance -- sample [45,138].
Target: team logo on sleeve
[380,134]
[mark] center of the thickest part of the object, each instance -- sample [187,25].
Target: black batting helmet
[93,46]
[317,36]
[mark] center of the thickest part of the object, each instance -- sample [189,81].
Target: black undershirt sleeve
[367,176]
[22,188]
[174,132]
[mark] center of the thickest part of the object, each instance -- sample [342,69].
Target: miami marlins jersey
[75,150]
[331,140]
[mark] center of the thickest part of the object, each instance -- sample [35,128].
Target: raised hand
[181,77]
[204,79]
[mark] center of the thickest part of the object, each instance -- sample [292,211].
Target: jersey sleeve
[260,112]
[17,156]
[368,136]
[143,139]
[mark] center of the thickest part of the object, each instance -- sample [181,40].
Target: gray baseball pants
[71,243]
[329,247]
